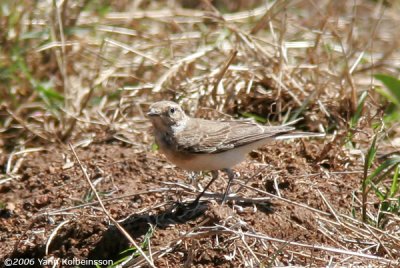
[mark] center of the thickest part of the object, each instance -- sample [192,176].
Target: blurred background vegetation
[64,64]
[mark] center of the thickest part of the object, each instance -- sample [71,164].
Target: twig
[159,190]
[270,13]
[176,67]
[25,125]
[130,49]
[120,228]
[53,234]
[286,200]
[220,75]
[328,249]
[329,206]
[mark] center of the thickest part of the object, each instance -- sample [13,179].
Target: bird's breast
[197,162]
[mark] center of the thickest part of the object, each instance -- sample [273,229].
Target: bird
[196,144]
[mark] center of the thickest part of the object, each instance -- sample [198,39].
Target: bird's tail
[295,135]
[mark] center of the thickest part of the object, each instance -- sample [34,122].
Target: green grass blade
[256,117]
[394,188]
[154,147]
[392,84]
[131,249]
[378,192]
[371,154]
[388,96]
[386,164]
[303,106]
[357,115]
[50,93]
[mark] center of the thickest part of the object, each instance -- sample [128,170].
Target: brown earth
[145,190]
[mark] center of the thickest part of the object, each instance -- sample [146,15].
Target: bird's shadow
[113,242]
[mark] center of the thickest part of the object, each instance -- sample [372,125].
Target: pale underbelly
[207,161]
[200,162]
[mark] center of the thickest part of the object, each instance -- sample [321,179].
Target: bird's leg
[231,176]
[214,174]
[193,179]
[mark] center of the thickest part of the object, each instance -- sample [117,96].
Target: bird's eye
[172,110]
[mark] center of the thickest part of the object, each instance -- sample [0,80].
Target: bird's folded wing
[206,136]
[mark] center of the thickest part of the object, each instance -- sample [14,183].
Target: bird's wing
[207,136]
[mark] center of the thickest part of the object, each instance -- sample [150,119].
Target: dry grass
[87,71]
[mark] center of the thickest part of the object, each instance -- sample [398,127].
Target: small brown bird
[196,144]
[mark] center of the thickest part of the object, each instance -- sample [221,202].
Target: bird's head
[167,115]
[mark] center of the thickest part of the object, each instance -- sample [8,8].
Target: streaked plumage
[207,136]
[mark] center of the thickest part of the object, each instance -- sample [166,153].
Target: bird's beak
[152,112]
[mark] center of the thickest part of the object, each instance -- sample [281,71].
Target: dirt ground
[284,192]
